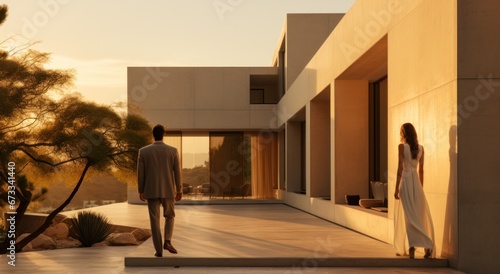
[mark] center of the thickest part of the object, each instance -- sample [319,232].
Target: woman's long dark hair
[409,135]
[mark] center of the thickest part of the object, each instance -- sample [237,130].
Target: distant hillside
[99,189]
[190,160]
[196,176]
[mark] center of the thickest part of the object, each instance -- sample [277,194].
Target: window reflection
[227,165]
[195,164]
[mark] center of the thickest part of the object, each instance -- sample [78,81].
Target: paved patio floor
[243,238]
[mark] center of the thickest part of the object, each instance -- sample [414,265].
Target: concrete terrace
[232,238]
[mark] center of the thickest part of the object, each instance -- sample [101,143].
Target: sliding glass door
[228,165]
[228,151]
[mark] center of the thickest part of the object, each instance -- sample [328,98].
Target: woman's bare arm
[400,169]
[421,168]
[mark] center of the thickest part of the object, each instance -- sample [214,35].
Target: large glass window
[378,131]
[228,165]
[195,163]
[264,89]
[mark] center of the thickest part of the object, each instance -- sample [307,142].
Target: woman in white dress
[412,218]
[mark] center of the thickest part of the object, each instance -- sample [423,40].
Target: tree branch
[52,215]
[47,162]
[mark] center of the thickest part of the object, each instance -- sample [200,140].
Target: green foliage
[136,133]
[197,175]
[24,185]
[41,133]
[90,227]
[43,130]
[3,13]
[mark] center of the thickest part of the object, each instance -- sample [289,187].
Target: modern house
[322,121]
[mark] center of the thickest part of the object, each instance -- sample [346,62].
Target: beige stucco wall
[305,33]
[204,98]
[423,91]
[422,87]
[478,134]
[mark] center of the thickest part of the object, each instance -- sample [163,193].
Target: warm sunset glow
[100,47]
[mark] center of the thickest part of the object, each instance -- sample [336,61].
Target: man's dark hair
[158,132]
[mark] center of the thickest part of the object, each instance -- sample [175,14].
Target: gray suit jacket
[158,171]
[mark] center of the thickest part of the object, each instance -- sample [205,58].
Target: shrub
[90,227]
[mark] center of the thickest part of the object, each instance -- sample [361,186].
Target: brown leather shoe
[158,254]
[168,246]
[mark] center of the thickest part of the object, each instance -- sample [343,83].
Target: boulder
[121,228]
[27,247]
[58,218]
[59,231]
[117,239]
[100,244]
[20,238]
[43,242]
[67,243]
[141,234]
[67,221]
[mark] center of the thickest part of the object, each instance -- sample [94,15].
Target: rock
[20,238]
[67,221]
[27,248]
[43,242]
[59,231]
[58,218]
[68,243]
[141,234]
[122,229]
[122,239]
[100,244]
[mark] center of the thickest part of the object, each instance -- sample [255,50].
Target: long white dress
[412,218]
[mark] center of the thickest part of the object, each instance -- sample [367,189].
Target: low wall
[366,221]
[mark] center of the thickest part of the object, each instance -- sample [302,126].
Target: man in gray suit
[159,181]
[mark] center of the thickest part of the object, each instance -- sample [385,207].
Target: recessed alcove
[360,119]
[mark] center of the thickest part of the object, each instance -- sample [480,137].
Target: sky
[100,39]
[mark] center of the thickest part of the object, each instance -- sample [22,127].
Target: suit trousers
[154,218]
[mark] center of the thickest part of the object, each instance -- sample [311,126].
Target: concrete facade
[208,98]
[440,59]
